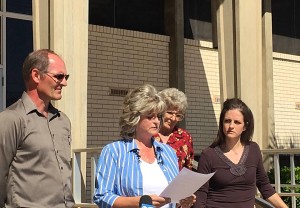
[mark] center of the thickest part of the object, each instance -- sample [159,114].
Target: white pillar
[62,26]
[249,58]
[245,57]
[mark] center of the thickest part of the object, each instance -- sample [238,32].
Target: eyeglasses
[59,77]
[178,116]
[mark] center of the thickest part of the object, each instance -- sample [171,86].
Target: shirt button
[61,168]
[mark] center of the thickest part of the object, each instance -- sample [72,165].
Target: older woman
[178,138]
[137,165]
[237,162]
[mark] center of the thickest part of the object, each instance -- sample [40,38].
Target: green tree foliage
[285,178]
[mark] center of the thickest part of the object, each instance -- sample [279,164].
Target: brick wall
[120,59]
[123,59]
[287,93]
[202,86]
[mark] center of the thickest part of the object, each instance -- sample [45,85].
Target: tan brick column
[245,37]
[249,58]
[226,47]
[268,121]
[40,13]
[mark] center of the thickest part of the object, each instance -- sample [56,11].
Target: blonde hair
[143,100]
[175,99]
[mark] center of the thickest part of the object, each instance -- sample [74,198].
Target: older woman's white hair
[143,100]
[175,99]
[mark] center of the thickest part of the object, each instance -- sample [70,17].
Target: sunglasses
[59,77]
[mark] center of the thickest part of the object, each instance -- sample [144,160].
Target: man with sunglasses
[35,139]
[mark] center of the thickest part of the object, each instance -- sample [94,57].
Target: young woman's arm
[276,201]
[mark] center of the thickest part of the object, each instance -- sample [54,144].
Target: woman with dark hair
[237,161]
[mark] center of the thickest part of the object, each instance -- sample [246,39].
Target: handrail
[259,202]
[295,151]
[85,205]
[77,174]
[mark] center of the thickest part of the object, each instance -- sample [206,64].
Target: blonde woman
[137,165]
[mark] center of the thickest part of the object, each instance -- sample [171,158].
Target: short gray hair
[38,59]
[175,99]
[143,100]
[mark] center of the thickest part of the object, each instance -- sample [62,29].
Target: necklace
[147,155]
[145,152]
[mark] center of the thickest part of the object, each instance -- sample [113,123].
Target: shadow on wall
[290,142]
[203,91]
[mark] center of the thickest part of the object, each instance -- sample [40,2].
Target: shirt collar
[30,107]
[158,147]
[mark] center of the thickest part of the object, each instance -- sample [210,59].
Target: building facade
[212,50]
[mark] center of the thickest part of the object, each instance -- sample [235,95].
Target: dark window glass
[18,46]
[19,6]
[139,15]
[101,12]
[1,48]
[286,26]
[197,19]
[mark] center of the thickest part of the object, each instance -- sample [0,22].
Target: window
[138,15]
[286,26]
[197,19]
[18,46]
[148,16]
[16,43]
[19,6]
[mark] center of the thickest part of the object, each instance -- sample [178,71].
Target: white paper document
[185,184]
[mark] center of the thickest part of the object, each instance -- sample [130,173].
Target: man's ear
[35,75]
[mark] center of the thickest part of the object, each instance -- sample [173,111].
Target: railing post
[94,159]
[293,179]
[77,177]
[277,173]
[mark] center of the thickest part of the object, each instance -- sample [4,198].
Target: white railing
[79,184]
[276,155]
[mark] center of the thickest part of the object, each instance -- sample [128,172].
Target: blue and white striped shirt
[119,173]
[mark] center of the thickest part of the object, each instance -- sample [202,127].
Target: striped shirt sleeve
[105,178]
